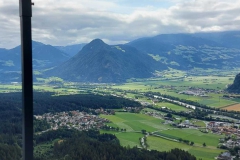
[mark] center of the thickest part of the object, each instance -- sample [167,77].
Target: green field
[160,144]
[136,122]
[126,138]
[195,135]
[200,123]
[171,106]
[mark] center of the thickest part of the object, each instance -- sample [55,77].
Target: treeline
[93,145]
[45,102]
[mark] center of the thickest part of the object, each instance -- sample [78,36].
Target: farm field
[171,106]
[134,123]
[235,107]
[195,135]
[200,123]
[160,144]
[126,138]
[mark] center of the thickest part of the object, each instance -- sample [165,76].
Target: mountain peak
[95,44]
[35,43]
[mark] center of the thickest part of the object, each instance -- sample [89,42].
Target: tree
[204,144]
[143,131]
[192,143]
[169,115]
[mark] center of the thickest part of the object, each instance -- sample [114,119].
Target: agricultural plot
[194,135]
[172,106]
[235,107]
[135,122]
[200,123]
[126,138]
[236,100]
[160,144]
[132,86]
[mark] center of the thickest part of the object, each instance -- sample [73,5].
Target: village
[75,120]
[231,132]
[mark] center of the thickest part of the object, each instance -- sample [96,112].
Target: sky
[67,22]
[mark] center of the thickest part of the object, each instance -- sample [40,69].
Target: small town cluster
[231,132]
[75,119]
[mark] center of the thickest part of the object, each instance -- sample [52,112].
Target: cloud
[61,22]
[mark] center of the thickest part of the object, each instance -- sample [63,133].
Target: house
[225,156]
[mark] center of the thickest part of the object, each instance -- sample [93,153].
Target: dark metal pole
[25,8]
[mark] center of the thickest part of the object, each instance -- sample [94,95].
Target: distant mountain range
[71,50]
[187,51]
[229,39]
[44,56]
[141,58]
[99,62]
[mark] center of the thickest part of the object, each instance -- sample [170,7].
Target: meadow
[160,144]
[195,135]
[134,124]
[126,138]
[171,106]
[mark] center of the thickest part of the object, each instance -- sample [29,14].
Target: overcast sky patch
[61,22]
